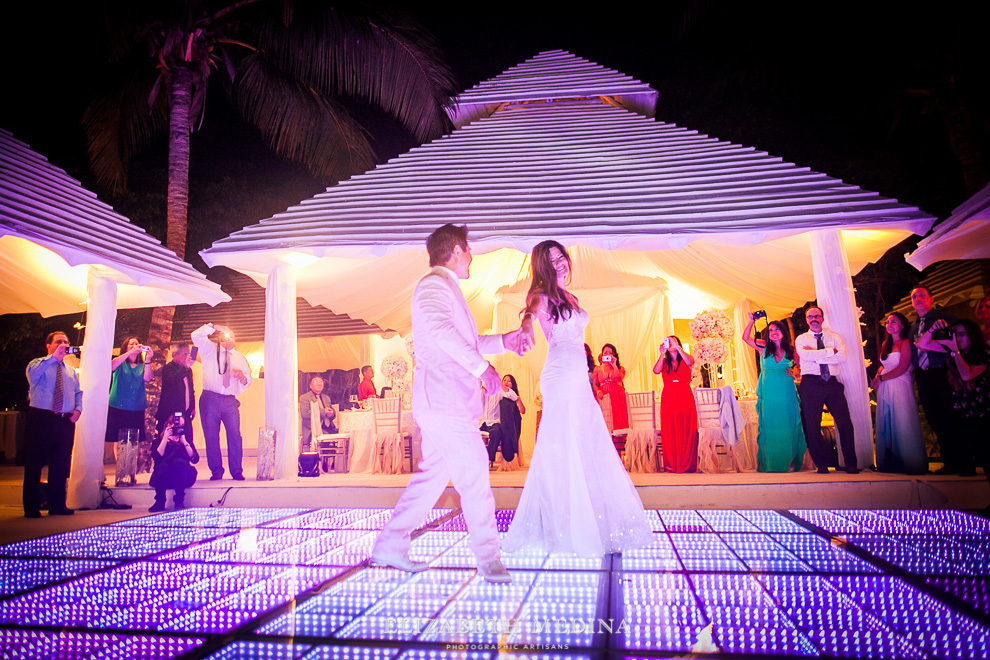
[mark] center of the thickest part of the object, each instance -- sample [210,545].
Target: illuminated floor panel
[294,583]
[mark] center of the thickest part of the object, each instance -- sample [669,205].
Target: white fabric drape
[745,356]
[87,474]
[836,297]
[282,382]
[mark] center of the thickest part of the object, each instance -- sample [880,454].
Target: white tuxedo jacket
[448,349]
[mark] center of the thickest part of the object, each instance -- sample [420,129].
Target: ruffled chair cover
[266,454]
[390,441]
[642,448]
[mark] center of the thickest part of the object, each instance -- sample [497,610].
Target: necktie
[922,355]
[823,367]
[57,394]
[226,371]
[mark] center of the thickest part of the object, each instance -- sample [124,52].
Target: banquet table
[360,424]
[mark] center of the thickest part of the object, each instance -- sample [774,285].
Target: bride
[578,497]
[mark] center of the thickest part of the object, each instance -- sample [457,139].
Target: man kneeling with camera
[174,458]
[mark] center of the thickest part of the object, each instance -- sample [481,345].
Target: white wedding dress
[578,498]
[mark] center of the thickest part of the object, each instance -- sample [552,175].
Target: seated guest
[499,421]
[327,414]
[366,388]
[174,458]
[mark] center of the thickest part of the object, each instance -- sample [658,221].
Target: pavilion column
[836,296]
[87,473]
[281,368]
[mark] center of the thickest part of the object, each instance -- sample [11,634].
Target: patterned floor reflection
[294,583]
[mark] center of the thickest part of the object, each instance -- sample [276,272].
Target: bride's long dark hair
[545,280]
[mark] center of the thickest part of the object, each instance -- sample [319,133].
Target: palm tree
[283,65]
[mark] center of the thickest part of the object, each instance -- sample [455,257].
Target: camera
[666,343]
[941,333]
[178,426]
[73,350]
[608,358]
[760,314]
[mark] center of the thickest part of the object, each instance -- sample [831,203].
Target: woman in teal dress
[780,443]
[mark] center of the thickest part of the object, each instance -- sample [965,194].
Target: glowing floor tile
[772,522]
[503,518]
[211,517]
[351,653]
[30,644]
[23,574]
[769,641]
[830,521]
[904,556]
[975,591]
[110,542]
[823,555]
[261,651]
[727,521]
[683,521]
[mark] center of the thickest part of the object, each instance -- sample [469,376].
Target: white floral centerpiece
[394,368]
[711,331]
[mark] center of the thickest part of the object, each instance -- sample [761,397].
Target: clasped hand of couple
[519,341]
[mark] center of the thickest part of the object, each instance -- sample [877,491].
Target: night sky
[854,92]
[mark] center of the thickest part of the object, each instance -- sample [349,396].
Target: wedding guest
[55,404]
[327,413]
[983,313]
[970,380]
[678,411]
[499,421]
[820,351]
[607,380]
[174,458]
[128,398]
[780,441]
[366,388]
[900,443]
[931,374]
[178,393]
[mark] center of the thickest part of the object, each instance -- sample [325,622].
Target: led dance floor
[293,583]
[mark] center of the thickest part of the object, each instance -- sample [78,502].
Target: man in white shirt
[226,373]
[820,351]
[491,420]
[447,405]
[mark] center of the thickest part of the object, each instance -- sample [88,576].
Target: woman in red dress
[607,379]
[678,413]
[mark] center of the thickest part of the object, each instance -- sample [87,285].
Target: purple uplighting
[294,583]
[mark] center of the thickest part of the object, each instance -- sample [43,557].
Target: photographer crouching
[174,457]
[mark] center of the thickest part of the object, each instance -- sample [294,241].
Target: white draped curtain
[86,473]
[836,297]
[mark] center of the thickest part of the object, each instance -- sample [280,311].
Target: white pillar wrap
[281,368]
[836,296]
[87,473]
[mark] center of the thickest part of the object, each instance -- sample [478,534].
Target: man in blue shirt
[55,406]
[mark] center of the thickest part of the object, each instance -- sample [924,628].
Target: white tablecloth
[360,424]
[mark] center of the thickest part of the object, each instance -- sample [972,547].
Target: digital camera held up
[73,350]
[178,426]
[760,314]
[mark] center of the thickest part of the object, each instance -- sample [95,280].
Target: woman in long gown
[678,411]
[900,443]
[578,498]
[607,379]
[780,442]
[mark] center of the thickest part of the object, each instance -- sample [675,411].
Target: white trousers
[453,452]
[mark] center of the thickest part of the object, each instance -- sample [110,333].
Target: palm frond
[300,123]
[118,123]
[388,61]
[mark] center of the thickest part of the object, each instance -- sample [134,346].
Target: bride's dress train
[578,496]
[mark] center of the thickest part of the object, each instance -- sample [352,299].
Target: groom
[447,404]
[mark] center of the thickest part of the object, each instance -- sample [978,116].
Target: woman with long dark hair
[780,442]
[678,412]
[607,380]
[969,376]
[578,498]
[128,399]
[900,443]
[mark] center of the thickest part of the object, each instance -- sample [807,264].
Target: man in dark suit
[177,391]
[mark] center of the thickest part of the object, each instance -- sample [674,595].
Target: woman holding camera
[780,442]
[900,443]
[678,412]
[128,400]
[174,458]
[969,375]
[607,379]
